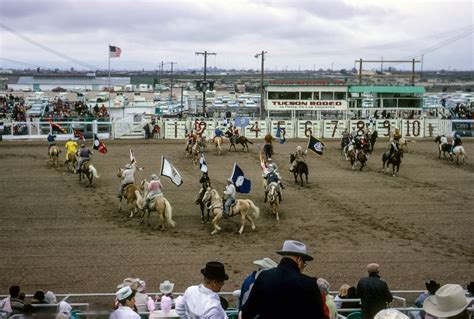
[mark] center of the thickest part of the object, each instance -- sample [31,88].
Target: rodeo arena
[366,189]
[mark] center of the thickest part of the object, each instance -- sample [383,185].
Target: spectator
[431,288]
[330,305]
[346,292]
[373,292]
[50,297]
[284,292]
[126,300]
[262,264]
[166,302]
[65,310]
[390,314]
[13,305]
[38,298]
[449,301]
[139,286]
[202,301]
[166,288]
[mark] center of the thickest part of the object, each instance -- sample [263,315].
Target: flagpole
[108,51]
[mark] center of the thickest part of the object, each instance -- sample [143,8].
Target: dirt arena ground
[61,235]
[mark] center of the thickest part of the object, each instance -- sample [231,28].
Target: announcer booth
[306,99]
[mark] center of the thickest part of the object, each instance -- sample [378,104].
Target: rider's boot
[279,196]
[266,194]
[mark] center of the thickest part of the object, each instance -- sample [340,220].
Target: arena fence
[252,129]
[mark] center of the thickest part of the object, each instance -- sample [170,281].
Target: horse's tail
[255,209]
[249,141]
[169,213]
[138,195]
[93,171]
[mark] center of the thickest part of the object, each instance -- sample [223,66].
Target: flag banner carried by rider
[242,185]
[132,157]
[202,164]
[55,127]
[78,134]
[99,145]
[168,170]
[315,145]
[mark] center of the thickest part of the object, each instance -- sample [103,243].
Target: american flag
[114,52]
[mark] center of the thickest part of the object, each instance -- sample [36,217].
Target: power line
[19,62]
[47,49]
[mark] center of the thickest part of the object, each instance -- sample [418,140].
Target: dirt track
[57,234]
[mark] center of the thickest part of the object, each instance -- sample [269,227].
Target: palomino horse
[299,169]
[130,194]
[244,207]
[218,140]
[196,151]
[89,171]
[159,204]
[395,160]
[71,162]
[273,199]
[403,142]
[53,153]
[361,157]
[234,140]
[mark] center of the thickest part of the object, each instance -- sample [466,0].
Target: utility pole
[204,83]
[171,79]
[262,107]
[161,70]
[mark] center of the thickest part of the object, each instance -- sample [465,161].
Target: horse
[218,140]
[361,157]
[373,138]
[53,153]
[268,150]
[201,204]
[159,204]
[299,169]
[89,171]
[395,160]
[458,152]
[273,199]
[245,207]
[443,145]
[345,141]
[71,162]
[196,151]
[242,140]
[403,142]
[129,193]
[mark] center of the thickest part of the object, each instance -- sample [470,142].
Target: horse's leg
[242,222]
[162,219]
[214,224]
[251,221]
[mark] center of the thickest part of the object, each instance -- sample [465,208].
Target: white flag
[132,158]
[202,164]
[168,170]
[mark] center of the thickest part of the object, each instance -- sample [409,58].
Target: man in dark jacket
[284,292]
[373,292]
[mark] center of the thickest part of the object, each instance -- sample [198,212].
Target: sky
[296,34]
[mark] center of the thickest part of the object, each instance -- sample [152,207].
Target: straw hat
[265,263]
[390,314]
[166,287]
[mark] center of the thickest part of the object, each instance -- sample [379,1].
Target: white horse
[459,153]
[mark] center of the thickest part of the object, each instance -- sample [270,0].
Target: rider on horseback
[190,140]
[154,190]
[217,133]
[268,141]
[51,141]
[71,148]
[128,178]
[394,143]
[229,196]
[300,156]
[84,156]
[272,175]
[456,142]
[205,181]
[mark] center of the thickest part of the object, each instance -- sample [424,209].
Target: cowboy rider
[205,181]
[84,156]
[217,133]
[300,156]
[229,196]
[455,142]
[128,177]
[71,148]
[272,175]
[190,139]
[154,190]
[394,143]
[51,141]
[268,141]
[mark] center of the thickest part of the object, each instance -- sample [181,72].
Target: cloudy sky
[297,34]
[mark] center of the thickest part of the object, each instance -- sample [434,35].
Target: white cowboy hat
[390,314]
[124,293]
[294,248]
[448,301]
[265,263]
[155,177]
[166,287]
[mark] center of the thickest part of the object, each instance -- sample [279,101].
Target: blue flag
[242,185]
[242,122]
[202,164]
[281,134]
[315,145]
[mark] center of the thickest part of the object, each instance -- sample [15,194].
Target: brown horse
[71,162]
[361,157]
[89,171]
[244,207]
[218,140]
[196,151]
[130,194]
[234,140]
[273,199]
[53,153]
[159,204]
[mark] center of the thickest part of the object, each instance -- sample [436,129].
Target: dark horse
[345,140]
[89,171]
[268,150]
[202,204]
[299,169]
[372,137]
[395,160]
[238,140]
[443,146]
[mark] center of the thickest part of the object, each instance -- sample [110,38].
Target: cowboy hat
[215,271]
[166,287]
[155,177]
[390,314]
[134,283]
[294,248]
[265,263]
[124,293]
[448,301]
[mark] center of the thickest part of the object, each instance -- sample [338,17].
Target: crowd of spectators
[273,290]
